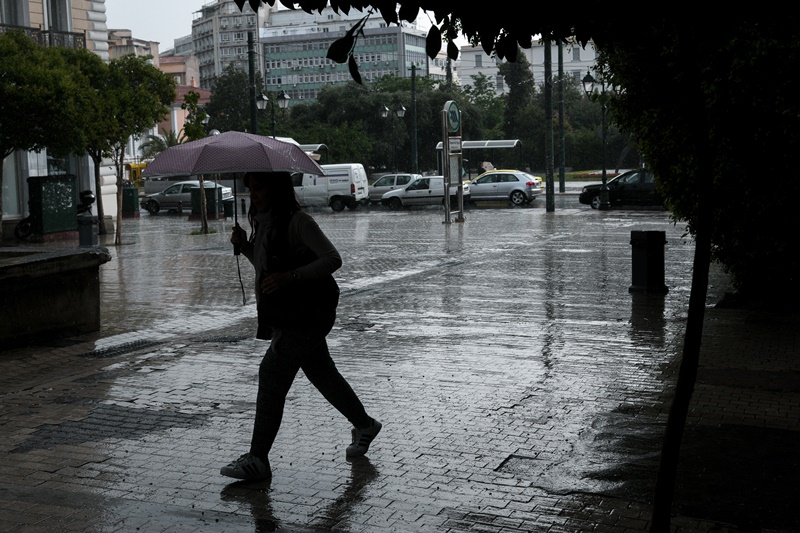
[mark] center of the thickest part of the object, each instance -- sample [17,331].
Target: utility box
[53,205]
[647,258]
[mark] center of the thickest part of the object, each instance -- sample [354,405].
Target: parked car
[513,185]
[425,190]
[388,183]
[180,195]
[635,187]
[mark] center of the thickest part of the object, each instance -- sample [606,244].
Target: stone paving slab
[522,388]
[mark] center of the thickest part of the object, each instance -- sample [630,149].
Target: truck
[342,185]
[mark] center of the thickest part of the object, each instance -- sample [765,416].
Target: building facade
[577,62]
[294,46]
[219,37]
[66,23]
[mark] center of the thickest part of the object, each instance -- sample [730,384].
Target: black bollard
[648,261]
[244,207]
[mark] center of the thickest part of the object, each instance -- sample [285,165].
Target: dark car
[635,187]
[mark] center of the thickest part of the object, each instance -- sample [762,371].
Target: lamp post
[400,112]
[589,88]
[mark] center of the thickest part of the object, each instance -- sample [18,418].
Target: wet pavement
[521,388]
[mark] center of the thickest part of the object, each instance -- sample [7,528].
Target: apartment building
[219,37]
[577,62]
[294,45]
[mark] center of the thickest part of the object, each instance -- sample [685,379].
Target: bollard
[87,230]
[180,207]
[244,207]
[647,259]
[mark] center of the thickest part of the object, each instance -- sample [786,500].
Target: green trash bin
[213,205]
[228,207]
[130,201]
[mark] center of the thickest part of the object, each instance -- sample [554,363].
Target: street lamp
[283,103]
[589,88]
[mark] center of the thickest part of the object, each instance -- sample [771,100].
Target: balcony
[62,39]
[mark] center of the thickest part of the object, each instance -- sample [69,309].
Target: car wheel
[518,198]
[365,202]
[152,207]
[395,203]
[595,203]
[353,205]
[337,204]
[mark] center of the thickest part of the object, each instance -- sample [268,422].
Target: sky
[153,20]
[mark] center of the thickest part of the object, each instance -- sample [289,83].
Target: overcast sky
[153,20]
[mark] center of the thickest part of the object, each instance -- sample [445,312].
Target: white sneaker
[248,467]
[362,438]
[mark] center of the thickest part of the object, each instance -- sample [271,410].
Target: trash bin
[130,201]
[647,261]
[213,203]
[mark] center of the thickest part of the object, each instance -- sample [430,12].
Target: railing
[50,38]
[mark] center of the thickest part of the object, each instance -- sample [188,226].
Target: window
[576,54]
[478,60]
[58,14]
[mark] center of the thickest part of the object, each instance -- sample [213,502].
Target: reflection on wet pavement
[522,387]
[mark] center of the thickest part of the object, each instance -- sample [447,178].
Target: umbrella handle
[237,247]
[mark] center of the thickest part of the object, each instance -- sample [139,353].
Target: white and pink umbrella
[230,152]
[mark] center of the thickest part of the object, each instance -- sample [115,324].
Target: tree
[155,144]
[195,129]
[140,98]
[483,95]
[38,95]
[229,106]
[95,118]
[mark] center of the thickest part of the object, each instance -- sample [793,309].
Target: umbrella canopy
[232,151]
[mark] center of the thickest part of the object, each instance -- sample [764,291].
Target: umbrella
[232,151]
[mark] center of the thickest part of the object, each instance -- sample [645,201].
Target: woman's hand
[239,235]
[275,281]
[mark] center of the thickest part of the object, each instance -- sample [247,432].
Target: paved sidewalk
[521,387]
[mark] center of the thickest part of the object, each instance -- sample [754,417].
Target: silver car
[513,185]
[179,195]
[387,183]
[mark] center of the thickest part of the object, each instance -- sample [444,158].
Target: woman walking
[297,298]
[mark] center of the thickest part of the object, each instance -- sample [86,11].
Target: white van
[425,190]
[343,185]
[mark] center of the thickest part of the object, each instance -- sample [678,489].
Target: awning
[472,145]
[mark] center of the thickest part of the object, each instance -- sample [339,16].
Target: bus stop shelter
[490,146]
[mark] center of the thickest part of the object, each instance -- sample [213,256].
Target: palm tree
[155,144]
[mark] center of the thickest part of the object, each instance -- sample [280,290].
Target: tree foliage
[38,99]
[732,105]
[229,106]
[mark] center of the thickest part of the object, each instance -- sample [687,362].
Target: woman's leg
[275,376]
[321,371]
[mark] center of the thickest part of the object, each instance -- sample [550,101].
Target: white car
[425,190]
